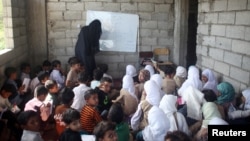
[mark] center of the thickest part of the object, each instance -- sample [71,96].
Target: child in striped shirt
[90,117]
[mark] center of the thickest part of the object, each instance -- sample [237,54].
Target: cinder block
[115,7]
[221,67]
[233,58]
[162,8]
[247,33]
[242,47]
[202,29]
[165,25]
[59,51]
[62,43]
[207,62]
[93,6]
[248,5]
[243,18]
[70,51]
[57,15]
[160,33]
[166,41]
[160,16]
[149,41]
[236,32]
[220,5]
[145,15]
[75,6]
[246,63]
[204,6]
[235,83]
[131,58]
[146,7]
[56,34]
[145,33]
[129,7]
[223,43]
[208,41]
[237,4]
[149,24]
[226,18]
[60,25]
[211,18]
[145,48]
[217,54]
[69,0]
[239,74]
[72,15]
[56,6]
[77,24]
[219,30]
[72,33]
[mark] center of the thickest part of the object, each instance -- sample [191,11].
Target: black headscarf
[87,45]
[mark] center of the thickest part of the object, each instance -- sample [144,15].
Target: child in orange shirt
[90,117]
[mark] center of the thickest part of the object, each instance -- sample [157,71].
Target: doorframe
[181,8]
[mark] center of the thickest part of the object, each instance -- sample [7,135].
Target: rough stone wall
[223,40]
[15,32]
[156,28]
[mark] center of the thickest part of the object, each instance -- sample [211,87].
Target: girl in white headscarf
[158,125]
[180,76]
[158,79]
[140,119]
[127,98]
[150,68]
[246,99]
[131,70]
[192,80]
[177,121]
[209,80]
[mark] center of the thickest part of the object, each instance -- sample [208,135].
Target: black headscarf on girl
[87,45]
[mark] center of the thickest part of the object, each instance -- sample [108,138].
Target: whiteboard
[119,30]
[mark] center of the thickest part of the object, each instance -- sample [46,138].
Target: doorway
[191,57]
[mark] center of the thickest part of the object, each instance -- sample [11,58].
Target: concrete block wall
[223,42]
[16,37]
[156,28]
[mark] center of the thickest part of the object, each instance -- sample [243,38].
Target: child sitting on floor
[89,114]
[105,131]
[116,115]
[71,118]
[72,76]
[67,99]
[30,122]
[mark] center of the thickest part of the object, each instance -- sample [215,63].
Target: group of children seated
[153,104]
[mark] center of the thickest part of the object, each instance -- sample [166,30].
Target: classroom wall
[223,40]
[14,13]
[156,28]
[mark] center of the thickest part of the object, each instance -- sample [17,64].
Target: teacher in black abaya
[87,45]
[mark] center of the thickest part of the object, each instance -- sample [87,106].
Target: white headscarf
[158,125]
[158,79]
[192,80]
[131,70]
[168,105]
[181,72]
[150,68]
[217,121]
[128,84]
[152,92]
[246,94]
[211,82]
[194,99]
